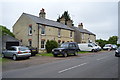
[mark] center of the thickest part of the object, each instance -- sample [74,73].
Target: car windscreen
[107,45]
[23,49]
[64,45]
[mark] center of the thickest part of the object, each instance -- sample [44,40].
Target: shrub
[118,45]
[51,45]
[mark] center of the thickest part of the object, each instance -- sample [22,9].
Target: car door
[71,48]
[11,51]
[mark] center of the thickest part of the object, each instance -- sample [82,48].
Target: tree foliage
[111,40]
[65,15]
[51,45]
[5,31]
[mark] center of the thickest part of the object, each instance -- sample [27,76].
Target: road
[103,65]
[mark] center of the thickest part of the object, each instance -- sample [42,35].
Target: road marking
[102,58]
[71,68]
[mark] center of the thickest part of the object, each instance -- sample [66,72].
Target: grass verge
[4,60]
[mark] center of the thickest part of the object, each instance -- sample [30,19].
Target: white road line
[71,68]
[102,58]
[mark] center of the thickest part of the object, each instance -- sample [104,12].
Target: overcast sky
[97,16]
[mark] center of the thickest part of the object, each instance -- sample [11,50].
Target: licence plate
[33,50]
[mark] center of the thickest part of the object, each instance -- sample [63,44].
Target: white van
[87,47]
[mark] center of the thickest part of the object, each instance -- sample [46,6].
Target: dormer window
[30,29]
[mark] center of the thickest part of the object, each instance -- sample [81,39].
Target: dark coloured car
[66,48]
[34,51]
[117,52]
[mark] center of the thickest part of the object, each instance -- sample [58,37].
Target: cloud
[98,17]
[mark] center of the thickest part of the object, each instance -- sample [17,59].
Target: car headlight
[52,50]
[60,50]
[116,51]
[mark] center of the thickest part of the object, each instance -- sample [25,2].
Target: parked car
[34,51]
[114,47]
[117,52]
[87,47]
[98,47]
[107,47]
[16,52]
[66,48]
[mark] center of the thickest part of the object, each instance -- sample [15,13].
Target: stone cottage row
[35,31]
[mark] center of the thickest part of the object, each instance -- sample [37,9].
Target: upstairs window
[43,30]
[82,36]
[59,32]
[30,29]
[70,34]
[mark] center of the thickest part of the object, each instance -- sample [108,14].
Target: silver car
[16,52]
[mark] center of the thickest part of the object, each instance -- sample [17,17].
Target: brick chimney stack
[80,26]
[42,13]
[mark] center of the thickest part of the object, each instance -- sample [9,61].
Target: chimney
[62,20]
[80,26]
[69,23]
[42,13]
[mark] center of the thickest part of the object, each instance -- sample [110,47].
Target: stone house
[35,31]
[81,35]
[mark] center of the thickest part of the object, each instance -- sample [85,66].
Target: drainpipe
[38,37]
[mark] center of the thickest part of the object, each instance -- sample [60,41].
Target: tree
[65,15]
[5,31]
[102,42]
[113,40]
[51,45]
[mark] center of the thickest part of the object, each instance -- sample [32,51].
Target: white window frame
[71,34]
[43,44]
[82,36]
[30,30]
[59,32]
[42,28]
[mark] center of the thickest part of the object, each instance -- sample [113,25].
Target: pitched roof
[48,22]
[83,30]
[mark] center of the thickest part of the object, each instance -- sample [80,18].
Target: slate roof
[83,30]
[48,22]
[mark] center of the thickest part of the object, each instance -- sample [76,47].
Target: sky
[97,16]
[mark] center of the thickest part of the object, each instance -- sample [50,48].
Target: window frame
[30,42]
[30,30]
[42,45]
[71,34]
[43,30]
[59,32]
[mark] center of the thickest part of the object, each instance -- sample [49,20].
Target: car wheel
[93,50]
[28,57]
[65,54]
[76,53]
[14,57]
[55,55]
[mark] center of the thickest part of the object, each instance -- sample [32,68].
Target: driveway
[36,60]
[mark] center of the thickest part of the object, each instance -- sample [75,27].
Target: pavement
[103,65]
